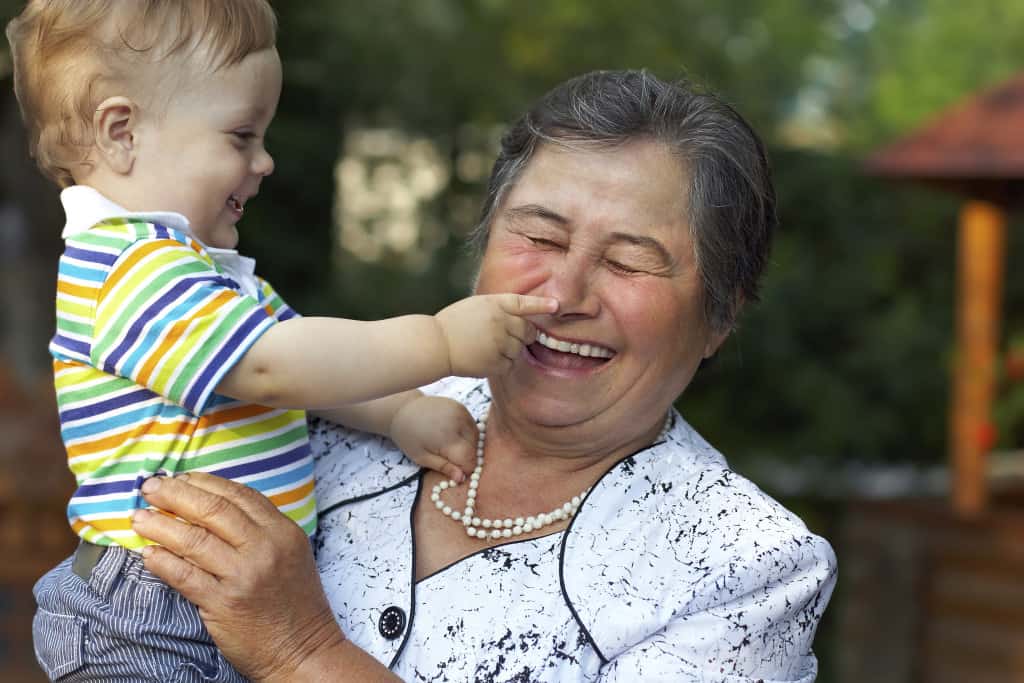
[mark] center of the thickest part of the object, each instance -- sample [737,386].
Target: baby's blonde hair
[70,55]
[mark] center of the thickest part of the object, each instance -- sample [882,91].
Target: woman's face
[605,232]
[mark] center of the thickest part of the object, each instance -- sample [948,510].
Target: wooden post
[980,256]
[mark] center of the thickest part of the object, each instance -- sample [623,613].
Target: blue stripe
[299,474]
[287,458]
[81,272]
[117,505]
[178,288]
[108,487]
[130,417]
[101,257]
[226,357]
[79,348]
[102,406]
[169,317]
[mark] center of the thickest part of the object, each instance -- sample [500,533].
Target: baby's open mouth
[235,204]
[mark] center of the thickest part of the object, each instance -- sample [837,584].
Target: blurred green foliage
[848,354]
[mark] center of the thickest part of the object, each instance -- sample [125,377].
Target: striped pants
[124,624]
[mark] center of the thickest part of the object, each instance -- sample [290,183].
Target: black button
[392,622]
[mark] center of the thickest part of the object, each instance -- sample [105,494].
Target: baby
[170,354]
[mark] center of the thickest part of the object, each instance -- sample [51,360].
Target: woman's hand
[250,571]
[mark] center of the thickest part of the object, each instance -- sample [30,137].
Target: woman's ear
[715,341]
[114,125]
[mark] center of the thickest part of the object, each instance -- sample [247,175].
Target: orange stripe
[235,414]
[177,330]
[142,252]
[81,291]
[59,365]
[106,524]
[282,499]
[114,440]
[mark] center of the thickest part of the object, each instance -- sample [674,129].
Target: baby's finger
[522,329]
[523,304]
[462,454]
[438,463]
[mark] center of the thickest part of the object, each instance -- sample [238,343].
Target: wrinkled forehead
[640,185]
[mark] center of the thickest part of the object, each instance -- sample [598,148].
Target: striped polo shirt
[149,321]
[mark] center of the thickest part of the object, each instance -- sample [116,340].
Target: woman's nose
[572,283]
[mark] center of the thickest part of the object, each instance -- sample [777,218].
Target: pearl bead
[507,527]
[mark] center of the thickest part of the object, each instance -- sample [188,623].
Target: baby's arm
[434,432]
[322,363]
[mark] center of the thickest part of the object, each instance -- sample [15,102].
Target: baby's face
[205,156]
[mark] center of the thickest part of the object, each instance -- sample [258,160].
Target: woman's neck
[530,466]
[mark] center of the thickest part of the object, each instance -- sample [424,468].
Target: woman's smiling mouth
[561,354]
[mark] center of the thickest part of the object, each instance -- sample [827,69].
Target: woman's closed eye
[545,243]
[623,268]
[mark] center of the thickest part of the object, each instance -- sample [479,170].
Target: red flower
[986,436]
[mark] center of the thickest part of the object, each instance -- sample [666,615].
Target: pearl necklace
[505,528]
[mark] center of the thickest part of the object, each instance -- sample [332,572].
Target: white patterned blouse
[675,568]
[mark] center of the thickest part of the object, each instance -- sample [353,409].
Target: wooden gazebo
[932,590]
[977,150]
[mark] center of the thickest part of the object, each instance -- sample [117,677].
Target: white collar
[84,207]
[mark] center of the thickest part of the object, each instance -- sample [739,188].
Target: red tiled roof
[975,148]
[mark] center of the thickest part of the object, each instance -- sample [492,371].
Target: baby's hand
[486,333]
[437,433]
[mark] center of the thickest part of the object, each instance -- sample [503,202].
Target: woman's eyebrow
[536,211]
[645,242]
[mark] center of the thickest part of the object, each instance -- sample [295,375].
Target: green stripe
[294,436]
[132,301]
[197,355]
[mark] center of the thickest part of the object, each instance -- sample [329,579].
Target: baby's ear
[114,125]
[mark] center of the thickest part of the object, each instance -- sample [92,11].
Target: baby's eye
[244,135]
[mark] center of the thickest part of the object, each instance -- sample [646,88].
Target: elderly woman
[600,538]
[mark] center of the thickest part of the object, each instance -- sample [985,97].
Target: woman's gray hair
[731,199]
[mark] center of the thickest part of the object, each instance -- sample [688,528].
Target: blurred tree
[847,355]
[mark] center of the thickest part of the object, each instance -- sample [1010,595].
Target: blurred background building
[835,392]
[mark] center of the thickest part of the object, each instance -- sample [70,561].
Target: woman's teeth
[586,350]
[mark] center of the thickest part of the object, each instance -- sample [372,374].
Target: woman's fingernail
[146,551]
[181,477]
[151,484]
